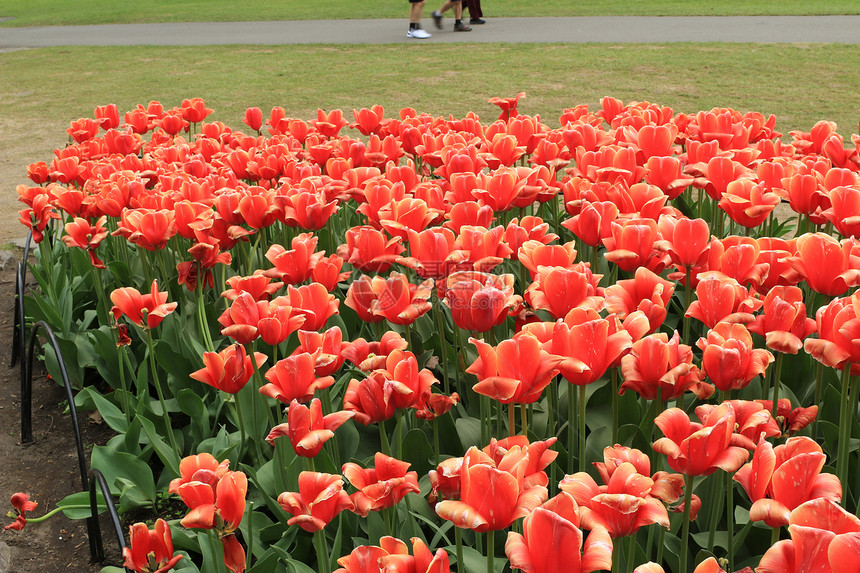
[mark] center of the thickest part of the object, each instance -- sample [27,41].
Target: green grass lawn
[56,12]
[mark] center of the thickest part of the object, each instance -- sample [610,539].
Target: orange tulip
[368,250]
[784,323]
[84,235]
[534,254]
[646,292]
[594,221]
[632,245]
[313,302]
[319,499]
[371,355]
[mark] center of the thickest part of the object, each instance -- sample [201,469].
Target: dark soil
[46,469]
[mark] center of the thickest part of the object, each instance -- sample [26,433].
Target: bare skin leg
[415,10]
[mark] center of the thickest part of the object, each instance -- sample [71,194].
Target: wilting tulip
[84,235]
[492,495]
[729,357]
[824,538]
[228,370]
[21,504]
[382,486]
[257,285]
[621,506]
[293,378]
[538,455]
[150,550]
[790,420]
[700,449]
[431,405]
[146,311]
[515,371]
[748,203]
[778,480]
[319,499]
[307,428]
[554,525]
[331,345]
[147,228]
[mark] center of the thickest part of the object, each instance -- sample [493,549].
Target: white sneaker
[418,33]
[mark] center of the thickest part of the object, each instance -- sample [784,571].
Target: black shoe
[461,27]
[437,19]
[477,21]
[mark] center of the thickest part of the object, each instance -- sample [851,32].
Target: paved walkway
[606,29]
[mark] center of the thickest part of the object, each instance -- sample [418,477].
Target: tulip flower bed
[413,344]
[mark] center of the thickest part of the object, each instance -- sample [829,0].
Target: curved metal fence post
[96,477]
[19,334]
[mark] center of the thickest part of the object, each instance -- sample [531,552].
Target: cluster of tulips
[521,297]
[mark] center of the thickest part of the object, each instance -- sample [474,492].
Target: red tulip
[307,428]
[21,504]
[687,241]
[721,299]
[777,480]
[538,453]
[360,298]
[790,420]
[150,550]
[147,228]
[515,371]
[319,499]
[824,538]
[748,203]
[508,105]
[228,370]
[368,356]
[632,245]
[146,311]
[369,251]
[327,272]
[752,421]
[313,302]
[370,398]
[398,300]
[729,357]
[534,254]
[558,290]
[257,285]
[646,292]
[392,556]
[837,324]
[484,247]
[480,301]
[293,378]
[492,495]
[828,266]
[551,526]
[431,405]
[658,363]
[382,486]
[202,467]
[84,235]
[295,265]
[246,319]
[621,506]
[784,323]
[700,449]
[432,253]
[331,346]
[593,223]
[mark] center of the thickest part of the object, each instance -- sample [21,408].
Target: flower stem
[490,550]
[440,326]
[458,539]
[512,428]
[571,441]
[730,519]
[322,551]
[524,420]
[165,416]
[777,371]
[844,430]
[685,524]
[581,428]
[613,376]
